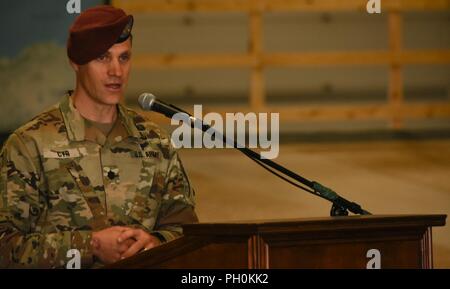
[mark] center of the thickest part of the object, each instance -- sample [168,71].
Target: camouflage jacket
[61,179]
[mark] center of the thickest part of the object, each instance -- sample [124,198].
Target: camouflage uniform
[61,179]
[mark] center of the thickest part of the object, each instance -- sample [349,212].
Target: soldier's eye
[124,57]
[102,57]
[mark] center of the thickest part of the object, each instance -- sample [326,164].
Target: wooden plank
[288,59]
[197,60]
[424,57]
[327,58]
[257,81]
[331,112]
[354,5]
[292,113]
[145,6]
[395,86]
[421,5]
[362,112]
[425,110]
[316,6]
[257,88]
[293,59]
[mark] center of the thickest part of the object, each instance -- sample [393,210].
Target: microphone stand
[340,206]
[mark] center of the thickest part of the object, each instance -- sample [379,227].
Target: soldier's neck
[92,109]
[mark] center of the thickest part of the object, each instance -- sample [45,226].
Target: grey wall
[25,22]
[34,71]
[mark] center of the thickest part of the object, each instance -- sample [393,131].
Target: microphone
[148,101]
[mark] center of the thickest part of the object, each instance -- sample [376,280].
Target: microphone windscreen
[146,100]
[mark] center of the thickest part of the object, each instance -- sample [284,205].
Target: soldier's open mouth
[114,86]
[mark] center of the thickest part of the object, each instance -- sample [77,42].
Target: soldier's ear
[75,66]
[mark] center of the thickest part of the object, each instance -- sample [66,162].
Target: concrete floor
[385,177]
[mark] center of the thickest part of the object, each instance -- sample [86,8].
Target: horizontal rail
[146,6]
[289,59]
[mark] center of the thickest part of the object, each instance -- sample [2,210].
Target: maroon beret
[95,30]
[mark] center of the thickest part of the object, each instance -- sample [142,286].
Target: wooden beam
[354,5]
[424,57]
[331,112]
[327,58]
[293,59]
[257,81]
[171,60]
[395,86]
[357,58]
[425,110]
[421,110]
[419,5]
[294,113]
[145,6]
[289,59]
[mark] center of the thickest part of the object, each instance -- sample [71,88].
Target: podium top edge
[311,224]
[336,218]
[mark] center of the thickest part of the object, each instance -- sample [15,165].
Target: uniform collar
[75,123]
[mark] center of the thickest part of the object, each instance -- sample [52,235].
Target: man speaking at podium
[90,174]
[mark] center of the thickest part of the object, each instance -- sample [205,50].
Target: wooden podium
[336,242]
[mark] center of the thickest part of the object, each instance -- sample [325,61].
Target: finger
[122,249]
[129,242]
[136,247]
[121,228]
[125,245]
[150,244]
[132,233]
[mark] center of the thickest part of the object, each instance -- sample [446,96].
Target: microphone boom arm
[340,206]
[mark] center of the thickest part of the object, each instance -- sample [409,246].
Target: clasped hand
[115,243]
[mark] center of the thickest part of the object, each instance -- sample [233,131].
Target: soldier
[90,174]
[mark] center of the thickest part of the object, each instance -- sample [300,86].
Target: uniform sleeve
[177,205]
[22,208]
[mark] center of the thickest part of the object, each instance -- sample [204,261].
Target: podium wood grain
[404,241]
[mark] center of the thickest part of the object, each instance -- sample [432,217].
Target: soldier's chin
[113,97]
